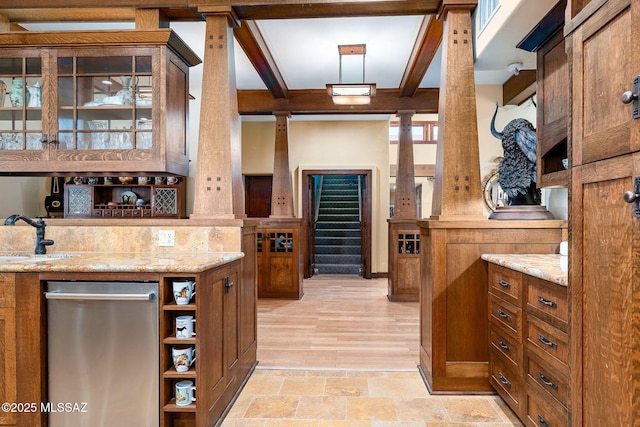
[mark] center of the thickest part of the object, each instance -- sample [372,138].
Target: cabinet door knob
[631,97]
[634,196]
[631,197]
[628,97]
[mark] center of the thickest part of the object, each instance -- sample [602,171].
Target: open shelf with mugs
[179,371]
[204,317]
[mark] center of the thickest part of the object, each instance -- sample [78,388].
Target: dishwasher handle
[100,297]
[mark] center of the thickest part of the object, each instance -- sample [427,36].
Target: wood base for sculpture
[526,212]
[454,356]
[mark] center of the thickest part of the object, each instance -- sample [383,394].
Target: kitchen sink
[32,258]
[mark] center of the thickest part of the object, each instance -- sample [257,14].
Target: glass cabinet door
[105,102]
[21,88]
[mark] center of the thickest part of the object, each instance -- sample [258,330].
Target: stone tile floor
[327,398]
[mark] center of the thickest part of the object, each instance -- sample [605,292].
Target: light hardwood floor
[341,322]
[346,356]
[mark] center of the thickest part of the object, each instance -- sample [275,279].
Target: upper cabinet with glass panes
[98,102]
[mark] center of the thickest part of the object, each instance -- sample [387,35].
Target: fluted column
[405,196]
[458,188]
[281,190]
[219,191]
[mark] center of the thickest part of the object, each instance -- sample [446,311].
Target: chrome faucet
[41,242]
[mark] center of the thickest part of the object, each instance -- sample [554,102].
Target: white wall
[23,195]
[317,145]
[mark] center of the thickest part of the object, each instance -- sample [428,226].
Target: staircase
[337,232]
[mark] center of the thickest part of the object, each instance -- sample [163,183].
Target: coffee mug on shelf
[183,358]
[184,327]
[172,179]
[142,180]
[183,291]
[160,180]
[185,393]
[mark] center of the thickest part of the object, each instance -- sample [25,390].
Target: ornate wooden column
[280,237]
[457,192]
[281,190]
[405,195]
[404,234]
[219,192]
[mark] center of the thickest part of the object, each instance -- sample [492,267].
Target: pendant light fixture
[352,89]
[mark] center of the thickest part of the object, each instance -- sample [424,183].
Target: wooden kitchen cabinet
[552,78]
[98,102]
[8,348]
[529,345]
[279,258]
[604,245]
[404,260]
[22,369]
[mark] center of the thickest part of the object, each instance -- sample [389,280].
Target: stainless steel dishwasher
[103,353]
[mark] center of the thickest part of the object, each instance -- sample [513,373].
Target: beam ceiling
[277,95]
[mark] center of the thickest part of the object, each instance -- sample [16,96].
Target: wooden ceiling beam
[94,14]
[519,88]
[250,39]
[427,43]
[290,9]
[317,101]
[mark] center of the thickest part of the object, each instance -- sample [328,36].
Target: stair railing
[317,191]
[360,198]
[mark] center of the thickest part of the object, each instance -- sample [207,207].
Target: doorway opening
[337,219]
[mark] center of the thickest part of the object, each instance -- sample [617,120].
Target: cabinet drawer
[506,315]
[7,290]
[542,413]
[508,384]
[505,283]
[548,342]
[548,379]
[548,301]
[509,349]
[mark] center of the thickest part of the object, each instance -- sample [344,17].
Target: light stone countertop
[112,262]
[551,267]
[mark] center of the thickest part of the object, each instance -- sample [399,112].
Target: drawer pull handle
[548,302]
[547,381]
[504,283]
[547,342]
[542,421]
[504,380]
[504,345]
[503,314]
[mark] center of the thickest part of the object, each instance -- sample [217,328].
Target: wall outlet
[166,238]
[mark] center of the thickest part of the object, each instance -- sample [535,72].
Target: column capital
[448,5]
[232,19]
[400,113]
[281,113]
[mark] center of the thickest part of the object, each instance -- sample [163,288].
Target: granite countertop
[551,267]
[91,262]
